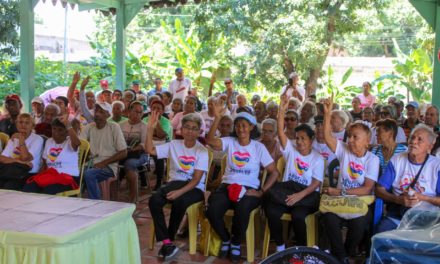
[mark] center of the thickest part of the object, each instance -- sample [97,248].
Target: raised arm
[211,139]
[82,101]
[328,137]
[280,124]
[74,140]
[151,125]
[71,91]
[211,84]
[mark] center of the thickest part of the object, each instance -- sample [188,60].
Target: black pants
[50,189]
[355,233]
[178,208]
[219,203]
[275,207]
[16,185]
[160,169]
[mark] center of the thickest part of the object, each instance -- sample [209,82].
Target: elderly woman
[128,97]
[269,140]
[410,177]
[186,184]
[359,170]
[51,111]
[60,161]
[368,114]
[298,193]
[208,115]
[307,112]
[24,147]
[260,111]
[272,110]
[118,108]
[134,131]
[240,188]
[188,108]
[388,112]
[339,121]
[291,122]
[294,104]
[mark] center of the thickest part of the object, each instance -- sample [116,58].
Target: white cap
[37,100]
[105,106]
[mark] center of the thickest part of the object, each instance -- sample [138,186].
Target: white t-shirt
[209,120]
[400,137]
[324,150]
[61,157]
[400,172]
[243,162]
[301,169]
[34,144]
[339,135]
[354,170]
[183,160]
[179,89]
[289,92]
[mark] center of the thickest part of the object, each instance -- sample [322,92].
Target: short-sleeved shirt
[134,134]
[243,162]
[179,89]
[34,143]
[61,157]
[183,160]
[154,91]
[353,169]
[302,169]
[324,150]
[367,100]
[400,173]
[339,135]
[209,120]
[104,142]
[377,150]
[165,124]
[289,92]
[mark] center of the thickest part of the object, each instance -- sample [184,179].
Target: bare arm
[365,189]
[328,137]
[280,124]
[74,140]
[197,176]
[211,139]
[152,123]
[211,84]
[71,91]
[116,157]
[273,177]
[296,197]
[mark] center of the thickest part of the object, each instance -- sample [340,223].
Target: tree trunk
[289,67]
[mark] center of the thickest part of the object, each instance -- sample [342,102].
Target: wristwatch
[343,192]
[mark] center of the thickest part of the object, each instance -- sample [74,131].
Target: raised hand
[76,77]
[153,119]
[64,119]
[213,78]
[328,105]
[284,103]
[84,83]
[219,108]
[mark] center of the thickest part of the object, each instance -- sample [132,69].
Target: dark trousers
[356,231]
[219,203]
[178,208]
[160,169]
[16,185]
[275,206]
[50,189]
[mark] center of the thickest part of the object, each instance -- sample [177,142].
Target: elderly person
[128,97]
[241,102]
[291,119]
[388,112]
[180,86]
[368,115]
[244,158]
[269,140]
[432,118]
[37,109]
[260,112]
[24,147]
[367,99]
[59,161]
[319,143]
[163,132]
[118,108]
[134,131]
[339,121]
[45,127]
[412,117]
[188,166]
[359,170]
[307,113]
[298,193]
[386,131]
[13,106]
[272,110]
[294,104]
[292,89]
[208,115]
[410,177]
[188,108]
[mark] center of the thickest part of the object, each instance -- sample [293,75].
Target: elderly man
[180,86]
[37,109]
[410,177]
[107,147]
[44,128]
[431,120]
[412,117]
[13,105]
[157,87]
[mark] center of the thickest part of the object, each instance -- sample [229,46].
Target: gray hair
[391,109]
[54,106]
[118,103]
[291,111]
[343,116]
[296,101]
[270,121]
[432,136]
[271,104]
[192,117]
[211,98]
[314,110]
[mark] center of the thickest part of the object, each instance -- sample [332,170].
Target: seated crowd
[379,151]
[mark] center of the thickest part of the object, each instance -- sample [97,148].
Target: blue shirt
[154,91]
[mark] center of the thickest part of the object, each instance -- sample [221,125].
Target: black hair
[254,134]
[57,123]
[64,99]
[307,129]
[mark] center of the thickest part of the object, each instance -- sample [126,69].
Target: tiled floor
[143,220]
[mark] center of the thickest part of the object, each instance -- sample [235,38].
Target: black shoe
[222,254]
[235,258]
[169,251]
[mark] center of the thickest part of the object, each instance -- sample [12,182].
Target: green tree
[9,25]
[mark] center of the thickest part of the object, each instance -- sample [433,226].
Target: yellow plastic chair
[84,148]
[311,220]
[251,231]
[4,138]
[192,212]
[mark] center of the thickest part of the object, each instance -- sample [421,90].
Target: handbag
[347,207]
[14,171]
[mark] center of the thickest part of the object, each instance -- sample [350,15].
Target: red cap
[157,101]
[104,84]
[15,98]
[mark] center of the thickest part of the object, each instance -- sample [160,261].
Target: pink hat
[104,84]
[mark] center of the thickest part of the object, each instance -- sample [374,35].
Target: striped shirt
[377,150]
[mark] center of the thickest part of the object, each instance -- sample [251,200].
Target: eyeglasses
[190,128]
[292,119]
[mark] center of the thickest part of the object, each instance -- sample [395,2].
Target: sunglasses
[292,119]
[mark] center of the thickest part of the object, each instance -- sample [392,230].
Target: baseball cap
[136,82]
[256,97]
[104,84]
[37,100]
[105,106]
[247,116]
[14,97]
[179,70]
[413,104]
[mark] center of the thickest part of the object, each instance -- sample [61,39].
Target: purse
[14,171]
[347,207]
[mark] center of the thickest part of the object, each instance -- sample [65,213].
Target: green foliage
[9,21]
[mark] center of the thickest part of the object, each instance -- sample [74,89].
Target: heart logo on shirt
[54,153]
[186,162]
[240,158]
[301,166]
[355,170]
